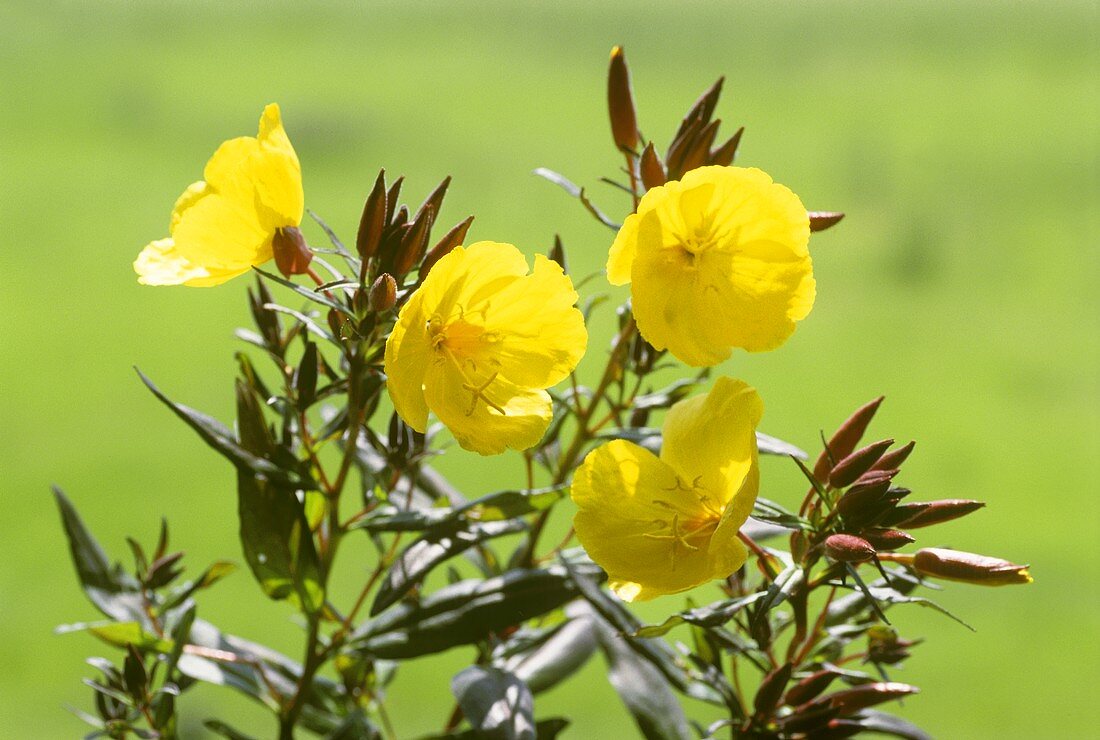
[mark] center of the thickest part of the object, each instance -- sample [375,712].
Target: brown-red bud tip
[845,439]
[809,687]
[620,102]
[847,548]
[893,459]
[862,498]
[848,470]
[383,294]
[651,168]
[887,539]
[292,256]
[821,220]
[870,694]
[927,513]
[969,567]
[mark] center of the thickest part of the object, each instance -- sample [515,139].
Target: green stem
[289,717]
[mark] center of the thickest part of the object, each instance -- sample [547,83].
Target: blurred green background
[961,139]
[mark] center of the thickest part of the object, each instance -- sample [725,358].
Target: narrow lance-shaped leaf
[217,436]
[277,542]
[111,590]
[437,546]
[496,703]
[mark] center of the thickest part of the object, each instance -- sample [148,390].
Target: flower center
[466,346]
[690,532]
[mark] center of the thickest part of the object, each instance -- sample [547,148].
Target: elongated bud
[821,220]
[848,470]
[557,253]
[652,170]
[383,294]
[373,220]
[968,567]
[620,102]
[862,498]
[868,695]
[450,240]
[927,513]
[809,687]
[893,459]
[725,154]
[887,539]
[292,256]
[703,107]
[697,153]
[771,689]
[845,439]
[847,548]
[391,199]
[414,243]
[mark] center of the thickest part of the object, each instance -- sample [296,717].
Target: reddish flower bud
[845,439]
[848,470]
[652,170]
[821,220]
[450,240]
[292,256]
[383,294]
[557,253]
[809,687]
[862,498]
[927,513]
[620,102]
[968,567]
[771,689]
[724,155]
[887,539]
[868,695]
[373,220]
[847,548]
[893,459]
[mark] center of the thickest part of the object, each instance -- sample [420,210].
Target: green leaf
[221,439]
[625,624]
[305,292]
[778,591]
[769,511]
[120,634]
[437,546]
[577,192]
[558,656]
[875,721]
[113,591]
[495,703]
[712,615]
[465,612]
[509,504]
[643,689]
[278,544]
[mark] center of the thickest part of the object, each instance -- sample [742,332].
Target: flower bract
[478,343]
[224,224]
[662,525]
[716,260]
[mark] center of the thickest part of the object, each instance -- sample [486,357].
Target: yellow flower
[223,225]
[717,260]
[664,525]
[478,343]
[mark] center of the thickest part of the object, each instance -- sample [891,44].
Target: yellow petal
[262,174]
[542,334]
[711,439]
[215,233]
[194,192]
[487,414]
[408,354]
[160,264]
[624,249]
[626,497]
